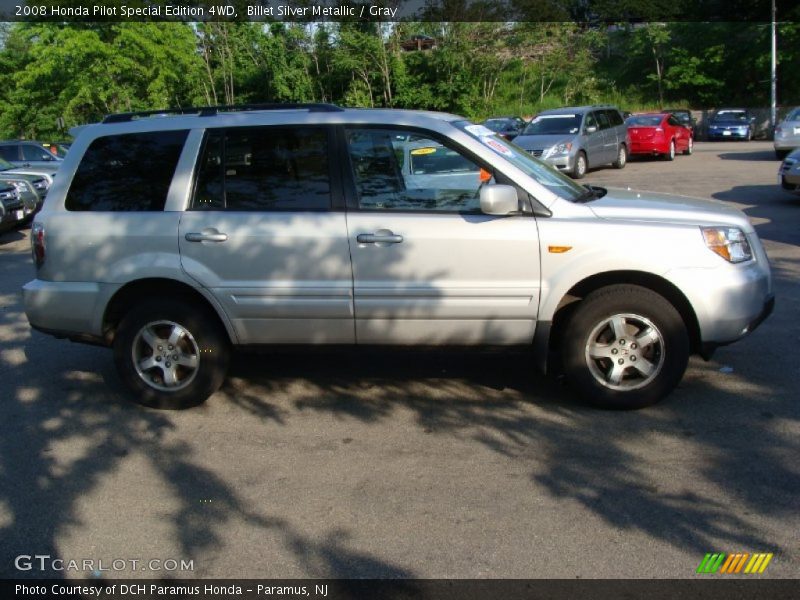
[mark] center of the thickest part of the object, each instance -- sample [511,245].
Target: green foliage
[81,71]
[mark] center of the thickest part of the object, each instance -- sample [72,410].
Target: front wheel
[170,354]
[625,347]
[579,172]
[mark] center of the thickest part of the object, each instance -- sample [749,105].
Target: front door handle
[207,235]
[380,237]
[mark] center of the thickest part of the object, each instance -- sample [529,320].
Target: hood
[724,121]
[541,142]
[15,174]
[632,205]
[38,171]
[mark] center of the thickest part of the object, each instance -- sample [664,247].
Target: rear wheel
[690,147]
[170,354]
[625,347]
[671,154]
[579,171]
[622,157]
[781,154]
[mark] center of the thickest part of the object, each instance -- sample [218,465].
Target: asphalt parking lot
[415,465]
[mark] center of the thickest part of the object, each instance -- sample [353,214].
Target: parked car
[25,153]
[13,212]
[731,124]
[787,134]
[789,172]
[577,138]
[32,187]
[685,118]
[173,240]
[659,134]
[508,127]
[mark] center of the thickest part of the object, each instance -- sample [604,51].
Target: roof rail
[210,111]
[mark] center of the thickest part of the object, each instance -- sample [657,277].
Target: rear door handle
[381,237]
[206,236]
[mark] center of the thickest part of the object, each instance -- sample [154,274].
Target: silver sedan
[787,134]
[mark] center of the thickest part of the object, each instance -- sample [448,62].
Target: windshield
[548,176]
[554,125]
[731,115]
[794,115]
[644,121]
[498,124]
[5,165]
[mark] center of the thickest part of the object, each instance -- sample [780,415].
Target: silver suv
[175,239]
[576,138]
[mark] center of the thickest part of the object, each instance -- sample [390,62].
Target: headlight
[558,149]
[729,242]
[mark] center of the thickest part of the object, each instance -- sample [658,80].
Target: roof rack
[210,111]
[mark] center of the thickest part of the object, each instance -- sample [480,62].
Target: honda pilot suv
[177,239]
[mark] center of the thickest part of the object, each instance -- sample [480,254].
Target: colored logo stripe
[735,562]
[714,562]
[711,562]
[758,563]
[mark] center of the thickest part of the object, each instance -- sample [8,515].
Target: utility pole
[773,74]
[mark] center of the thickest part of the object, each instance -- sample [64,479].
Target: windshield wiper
[593,192]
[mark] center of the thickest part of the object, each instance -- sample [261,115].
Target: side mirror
[499,200]
[590,129]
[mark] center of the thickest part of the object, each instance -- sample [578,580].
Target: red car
[659,134]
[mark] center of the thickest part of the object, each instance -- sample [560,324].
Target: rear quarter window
[128,172]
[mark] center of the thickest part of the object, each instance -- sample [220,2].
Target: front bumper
[731,300]
[730,134]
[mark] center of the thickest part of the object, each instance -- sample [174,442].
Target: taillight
[37,244]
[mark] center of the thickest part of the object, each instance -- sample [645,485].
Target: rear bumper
[647,149]
[62,308]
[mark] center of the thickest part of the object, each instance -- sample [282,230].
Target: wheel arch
[129,294]
[547,340]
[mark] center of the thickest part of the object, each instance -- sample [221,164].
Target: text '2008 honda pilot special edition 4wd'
[173,239]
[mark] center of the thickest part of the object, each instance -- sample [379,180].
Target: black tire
[581,166]
[590,327]
[671,154]
[622,157]
[781,154]
[690,148]
[207,343]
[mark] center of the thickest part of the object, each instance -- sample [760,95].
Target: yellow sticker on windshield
[420,151]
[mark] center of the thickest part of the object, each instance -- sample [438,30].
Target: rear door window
[264,169]
[614,117]
[128,172]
